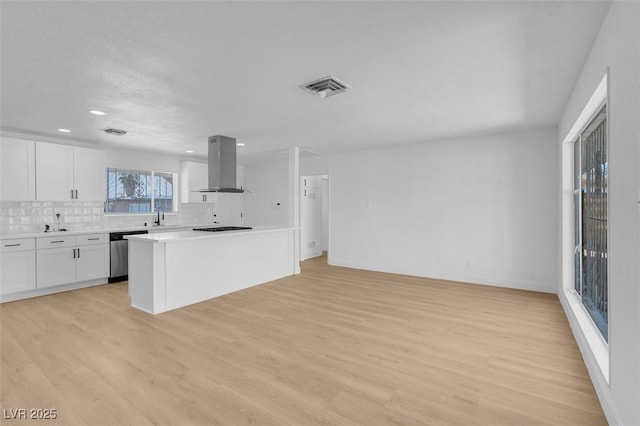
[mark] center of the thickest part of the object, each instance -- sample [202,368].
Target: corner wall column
[294,202]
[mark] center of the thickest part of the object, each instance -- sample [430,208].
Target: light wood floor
[331,346]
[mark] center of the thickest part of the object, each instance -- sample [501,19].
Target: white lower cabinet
[64,260]
[92,262]
[17,265]
[56,266]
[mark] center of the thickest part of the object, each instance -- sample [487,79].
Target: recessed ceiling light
[239,144]
[64,130]
[189,151]
[96,112]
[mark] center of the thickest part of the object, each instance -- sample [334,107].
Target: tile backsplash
[31,216]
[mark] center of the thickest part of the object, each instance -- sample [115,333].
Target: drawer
[17,244]
[56,242]
[89,239]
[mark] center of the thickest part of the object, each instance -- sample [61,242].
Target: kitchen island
[175,269]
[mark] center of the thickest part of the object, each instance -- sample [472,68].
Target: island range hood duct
[222,165]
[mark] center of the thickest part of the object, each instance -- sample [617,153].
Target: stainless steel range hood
[222,165]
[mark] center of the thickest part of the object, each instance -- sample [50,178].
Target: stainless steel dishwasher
[119,255]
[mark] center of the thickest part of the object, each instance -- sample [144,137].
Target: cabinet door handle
[74,253]
[57,241]
[72,194]
[93,239]
[76,194]
[78,253]
[12,245]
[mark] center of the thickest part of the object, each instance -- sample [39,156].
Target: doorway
[314,216]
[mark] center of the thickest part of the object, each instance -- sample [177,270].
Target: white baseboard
[440,275]
[50,290]
[312,255]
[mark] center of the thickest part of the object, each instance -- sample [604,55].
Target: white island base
[176,269]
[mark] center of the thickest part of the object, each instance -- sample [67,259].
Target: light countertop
[155,229]
[165,237]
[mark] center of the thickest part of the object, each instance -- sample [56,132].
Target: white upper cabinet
[89,173]
[66,172]
[194,177]
[54,174]
[17,170]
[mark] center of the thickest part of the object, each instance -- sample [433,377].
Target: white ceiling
[174,73]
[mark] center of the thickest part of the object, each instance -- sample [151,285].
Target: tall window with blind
[590,189]
[139,191]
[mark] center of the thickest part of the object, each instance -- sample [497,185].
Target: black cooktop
[223,228]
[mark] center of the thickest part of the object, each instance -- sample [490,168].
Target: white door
[17,170]
[54,171]
[89,174]
[194,177]
[55,267]
[17,271]
[311,217]
[92,262]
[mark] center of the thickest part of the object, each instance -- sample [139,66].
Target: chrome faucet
[157,221]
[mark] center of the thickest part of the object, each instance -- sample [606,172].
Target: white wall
[618,48]
[268,184]
[142,160]
[479,209]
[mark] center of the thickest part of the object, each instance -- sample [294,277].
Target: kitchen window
[139,191]
[590,189]
[585,222]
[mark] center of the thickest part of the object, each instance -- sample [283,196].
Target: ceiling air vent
[327,86]
[116,132]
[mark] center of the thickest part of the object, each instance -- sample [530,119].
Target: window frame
[593,346]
